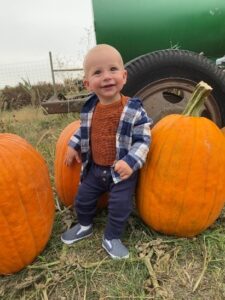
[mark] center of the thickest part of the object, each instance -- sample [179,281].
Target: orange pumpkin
[181,188]
[223,130]
[26,204]
[67,178]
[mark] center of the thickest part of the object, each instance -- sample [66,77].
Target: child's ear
[125,76]
[86,84]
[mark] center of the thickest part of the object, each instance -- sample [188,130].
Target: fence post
[52,72]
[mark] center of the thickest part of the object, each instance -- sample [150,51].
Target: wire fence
[35,71]
[38,71]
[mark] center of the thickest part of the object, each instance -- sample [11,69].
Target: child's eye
[114,69]
[97,72]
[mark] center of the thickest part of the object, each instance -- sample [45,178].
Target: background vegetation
[159,267]
[26,94]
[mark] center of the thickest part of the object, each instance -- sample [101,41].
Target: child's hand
[71,154]
[123,169]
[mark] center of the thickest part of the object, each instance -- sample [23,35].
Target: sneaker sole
[75,240]
[113,256]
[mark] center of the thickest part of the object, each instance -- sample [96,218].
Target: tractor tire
[165,79]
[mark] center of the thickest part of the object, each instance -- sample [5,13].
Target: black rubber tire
[173,63]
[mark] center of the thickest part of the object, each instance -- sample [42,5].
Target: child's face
[105,75]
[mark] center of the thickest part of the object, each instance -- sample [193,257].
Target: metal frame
[58,70]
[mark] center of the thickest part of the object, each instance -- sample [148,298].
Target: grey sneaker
[75,234]
[115,248]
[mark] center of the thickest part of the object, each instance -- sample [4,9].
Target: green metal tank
[136,27]
[168,47]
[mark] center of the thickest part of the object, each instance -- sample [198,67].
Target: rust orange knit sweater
[104,126]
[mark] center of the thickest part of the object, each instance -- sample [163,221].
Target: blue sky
[30,29]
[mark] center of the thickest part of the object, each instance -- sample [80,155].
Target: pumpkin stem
[197,99]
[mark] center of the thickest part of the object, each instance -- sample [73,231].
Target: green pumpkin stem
[194,105]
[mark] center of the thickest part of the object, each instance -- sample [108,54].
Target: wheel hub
[170,96]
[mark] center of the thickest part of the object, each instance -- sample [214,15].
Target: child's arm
[71,154]
[73,149]
[141,139]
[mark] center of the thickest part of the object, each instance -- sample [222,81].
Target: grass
[159,267]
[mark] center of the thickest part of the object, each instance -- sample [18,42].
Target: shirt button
[104,172]
[104,179]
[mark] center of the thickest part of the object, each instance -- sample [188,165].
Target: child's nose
[107,75]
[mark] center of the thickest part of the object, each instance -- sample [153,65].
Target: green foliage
[33,92]
[26,94]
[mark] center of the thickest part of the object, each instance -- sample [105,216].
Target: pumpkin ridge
[59,153]
[216,190]
[37,200]
[157,160]
[22,262]
[43,169]
[56,169]
[176,230]
[214,194]
[146,168]
[22,206]
[65,191]
[204,224]
[178,130]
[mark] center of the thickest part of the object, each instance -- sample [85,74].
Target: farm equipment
[167,47]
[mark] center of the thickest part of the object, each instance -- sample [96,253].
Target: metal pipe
[66,70]
[52,72]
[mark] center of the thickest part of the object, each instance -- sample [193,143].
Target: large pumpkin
[67,178]
[26,203]
[181,188]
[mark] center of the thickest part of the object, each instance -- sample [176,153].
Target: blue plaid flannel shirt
[133,135]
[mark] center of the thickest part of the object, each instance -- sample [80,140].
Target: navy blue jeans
[97,182]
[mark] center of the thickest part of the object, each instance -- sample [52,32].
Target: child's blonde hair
[101,48]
